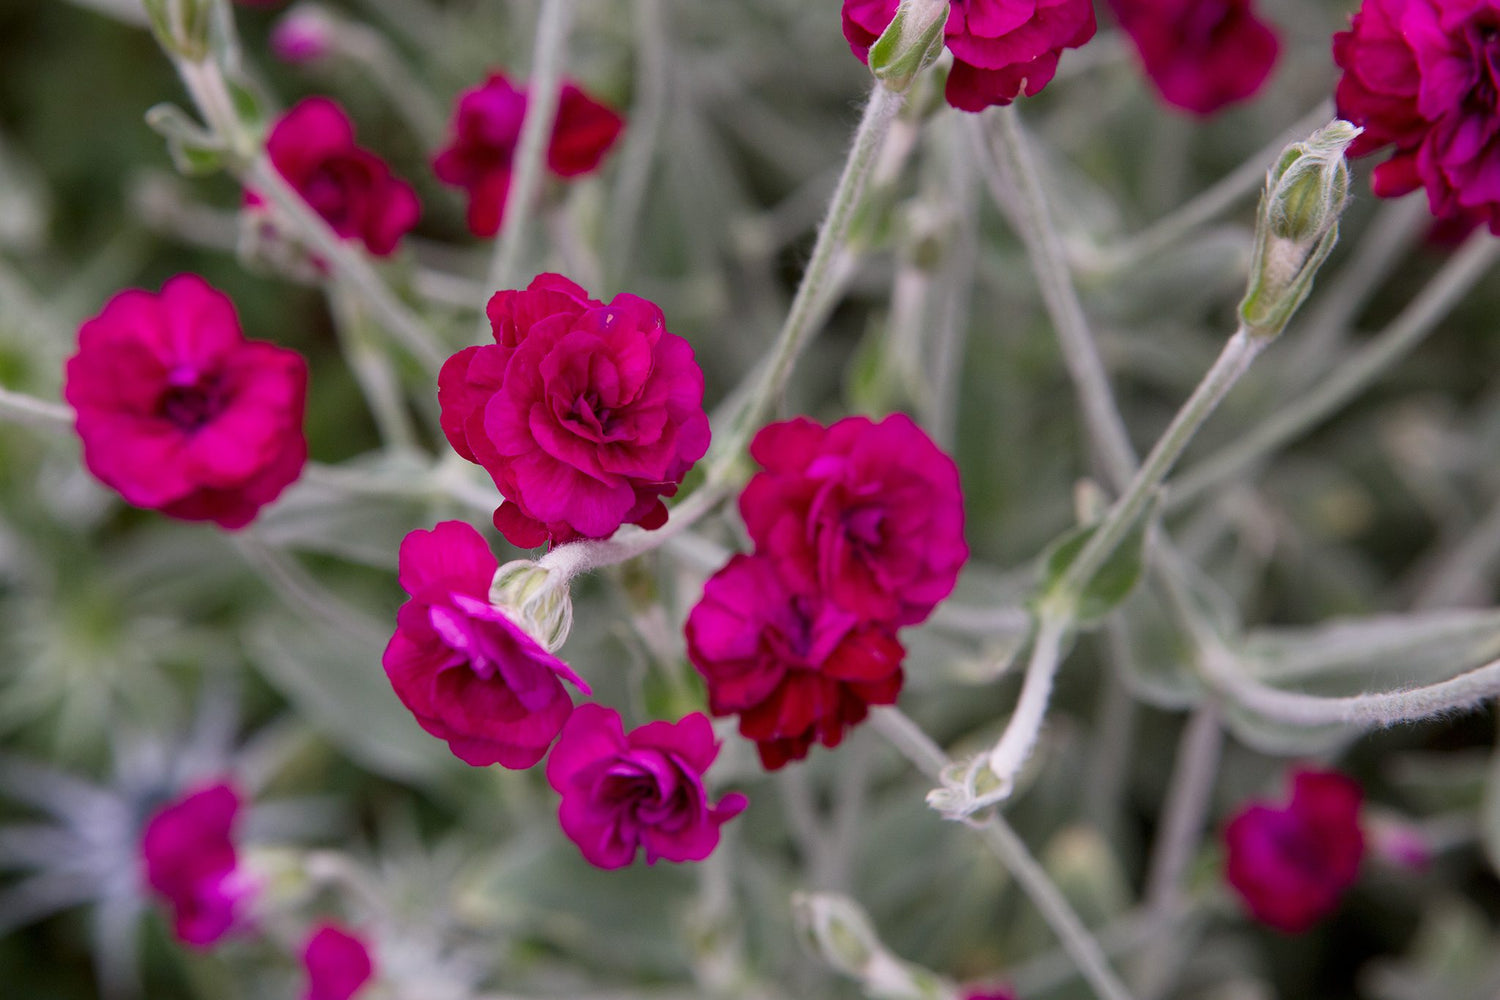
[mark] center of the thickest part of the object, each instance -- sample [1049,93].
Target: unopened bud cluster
[529,595]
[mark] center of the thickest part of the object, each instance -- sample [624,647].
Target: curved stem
[30,410]
[567,561]
[1348,380]
[528,167]
[1019,738]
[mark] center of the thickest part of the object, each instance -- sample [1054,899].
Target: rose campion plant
[796,668]
[1292,863]
[1201,55]
[869,514]
[1423,76]
[584,414]
[313,147]
[644,789]
[190,862]
[486,129]
[1000,47]
[471,675]
[337,963]
[179,413]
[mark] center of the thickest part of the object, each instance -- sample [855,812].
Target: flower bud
[182,26]
[838,931]
[910,43]
[304,34]
[531,598]
[1298,224]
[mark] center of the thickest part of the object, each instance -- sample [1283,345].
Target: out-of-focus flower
[1001,48]
[987,994]
[303,34]
[797,668]
[1292,863]
[190,861]
[338,964]
[1423,76]
[1200,54]
[313,147]
[624,791]
[868,514]
[179,413]
[486,129]
[585,415]
[469,673]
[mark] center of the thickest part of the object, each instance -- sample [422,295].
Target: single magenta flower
[179,413]
[486,129]
[189,858]
[1201,55]
[470,674]
[644,789]
[1001,48]
[338,964]
[304,34]
[584,414]
[868,514]
[796,668]
[1423,77]
[1292,863]
[313,147]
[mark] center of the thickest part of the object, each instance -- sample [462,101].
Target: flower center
[1485,38]
[188,405]
[864,526]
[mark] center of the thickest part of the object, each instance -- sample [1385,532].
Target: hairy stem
[30,410]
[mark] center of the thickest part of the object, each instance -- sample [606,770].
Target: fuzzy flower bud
[839,932]
[528,594]
[910,43]
[182,26]
[1298,225]
[305,34]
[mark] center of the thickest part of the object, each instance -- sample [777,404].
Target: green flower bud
[531,598]
[1297,226]
[910,43]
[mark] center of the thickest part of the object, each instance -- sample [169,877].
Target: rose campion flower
[312,146]
[624,791]
[303,35]
[1291,863]
[797,668]
[487,128]
[179,413]
[1001,48]
[585,415]
[988,994]
[189,857]
[1200,54]
[338,964]
[471,675]
[868,514]
[1423,76]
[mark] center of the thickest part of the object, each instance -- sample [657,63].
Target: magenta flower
[621,792]
[1000,47]
[797,668]
[179,413]
[312,146]
[1200,54]
[585,415]
[1292,863]
[1423,76]
[470,674]
[303,35]
[869,514]
[188,853]
[985,993]
[486,129]
[338,964]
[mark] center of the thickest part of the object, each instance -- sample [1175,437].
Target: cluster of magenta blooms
[588,415]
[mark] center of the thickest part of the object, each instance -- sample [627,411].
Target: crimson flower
[1200,54]
[624,791]
[188,854]
[338,964]
[585,415]
[471,675]
[797,668]
[1000,48]
[869,514]
[312,146]
[179,413]
[1423,77]
[486,129]
[1291,863]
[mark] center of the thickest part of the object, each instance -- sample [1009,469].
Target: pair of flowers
[313,146]
[190,861]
